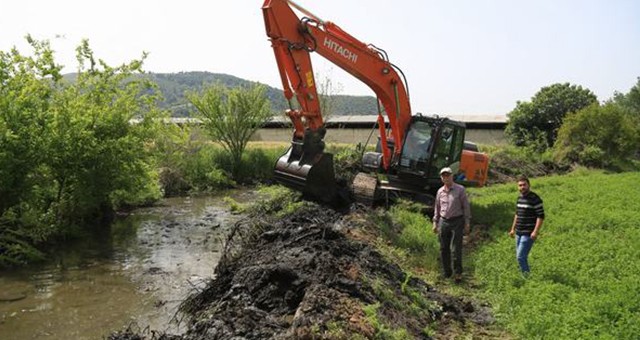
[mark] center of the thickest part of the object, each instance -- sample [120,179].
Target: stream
[135,275]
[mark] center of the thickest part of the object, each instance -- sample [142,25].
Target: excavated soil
[314,275]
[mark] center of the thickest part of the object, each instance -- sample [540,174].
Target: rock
[12,296]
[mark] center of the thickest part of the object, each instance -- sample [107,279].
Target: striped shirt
[528,209]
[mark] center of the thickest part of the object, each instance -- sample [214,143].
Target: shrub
[597,136]
[507,162]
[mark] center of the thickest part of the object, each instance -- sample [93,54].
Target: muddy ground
[315,275]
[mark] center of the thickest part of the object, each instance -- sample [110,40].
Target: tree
[597,136]
[536,123]
[27,84]
[99,159]
[231,116]
[327,92]
[68,151]
[630,100]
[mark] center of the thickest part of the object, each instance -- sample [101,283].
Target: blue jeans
[523,247]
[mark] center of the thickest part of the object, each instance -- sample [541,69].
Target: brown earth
[316,274]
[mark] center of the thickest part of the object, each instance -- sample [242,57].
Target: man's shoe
[457,278]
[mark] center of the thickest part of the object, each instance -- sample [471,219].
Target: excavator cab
[440,143]
[430,144]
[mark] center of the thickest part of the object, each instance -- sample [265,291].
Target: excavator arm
[293,40]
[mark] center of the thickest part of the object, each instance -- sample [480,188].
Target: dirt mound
[312,275]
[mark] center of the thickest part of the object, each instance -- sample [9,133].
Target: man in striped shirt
[526,222]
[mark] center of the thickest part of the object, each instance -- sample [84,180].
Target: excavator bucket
[312,174]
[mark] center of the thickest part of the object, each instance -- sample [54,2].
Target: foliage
[411,232]
[276,199]
[256,165]
[630,100]
[584,265]
[383,331]
[232,116]
[347,161]
[508,162]
[598,136]
[189,164]
[69,154]
[536,123]
[173,146]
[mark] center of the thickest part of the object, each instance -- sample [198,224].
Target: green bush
[205,169]
[598,136]
[507,162]
[258,163]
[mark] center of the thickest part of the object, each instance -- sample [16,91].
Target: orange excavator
[411,149]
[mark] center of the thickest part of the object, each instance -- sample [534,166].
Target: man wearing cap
[451,217]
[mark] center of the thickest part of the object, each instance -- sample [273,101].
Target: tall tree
[231,116]
[536,123]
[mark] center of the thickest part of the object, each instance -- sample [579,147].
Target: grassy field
[585,280]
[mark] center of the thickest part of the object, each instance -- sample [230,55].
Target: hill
[174,85]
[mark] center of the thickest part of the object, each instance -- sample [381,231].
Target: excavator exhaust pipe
[305,167]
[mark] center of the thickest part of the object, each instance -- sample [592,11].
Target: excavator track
[364,188]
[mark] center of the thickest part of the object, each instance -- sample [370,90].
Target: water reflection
[136,273]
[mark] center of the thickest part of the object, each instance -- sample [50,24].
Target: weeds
[383,331]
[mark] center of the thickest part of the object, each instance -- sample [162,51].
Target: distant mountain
[174,85]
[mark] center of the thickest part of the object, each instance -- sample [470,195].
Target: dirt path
[312,275]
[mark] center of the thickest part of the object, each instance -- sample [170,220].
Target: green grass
[585,269]
[410,232]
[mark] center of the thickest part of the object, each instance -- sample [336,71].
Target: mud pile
[314,275]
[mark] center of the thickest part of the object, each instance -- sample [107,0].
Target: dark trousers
[451,242]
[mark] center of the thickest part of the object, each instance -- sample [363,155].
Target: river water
[134,275]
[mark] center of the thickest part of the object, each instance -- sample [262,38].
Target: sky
[460,57]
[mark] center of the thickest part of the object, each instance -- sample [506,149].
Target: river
[135,275]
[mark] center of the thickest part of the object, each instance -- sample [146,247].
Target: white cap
[447,170]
